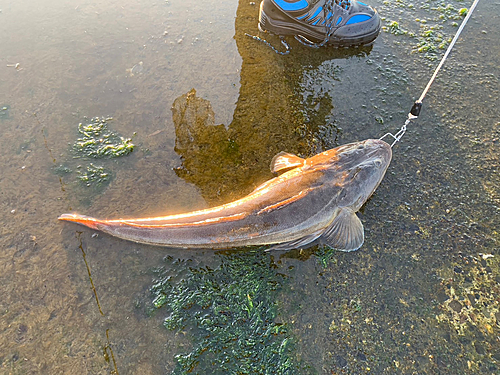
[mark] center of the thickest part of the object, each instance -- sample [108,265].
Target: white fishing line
[415,110]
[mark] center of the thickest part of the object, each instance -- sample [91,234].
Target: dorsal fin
[284,161]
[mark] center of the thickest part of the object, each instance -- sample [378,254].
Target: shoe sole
[277,27]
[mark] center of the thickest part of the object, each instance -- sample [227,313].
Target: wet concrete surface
[421,296]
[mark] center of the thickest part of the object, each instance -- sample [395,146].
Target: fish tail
[81,219]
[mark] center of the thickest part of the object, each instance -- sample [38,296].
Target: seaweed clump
[325,255]
[432,33]
[231,313]
[98,141]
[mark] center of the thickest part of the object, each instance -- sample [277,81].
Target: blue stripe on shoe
[315,14]
[297,5]
[357,19]
[328,16]
[338,21]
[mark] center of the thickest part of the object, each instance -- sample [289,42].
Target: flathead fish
[312,200]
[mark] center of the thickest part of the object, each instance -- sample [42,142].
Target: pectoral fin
[346,232]
[284,161]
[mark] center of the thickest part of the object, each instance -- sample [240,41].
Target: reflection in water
[207,149]
[283,105]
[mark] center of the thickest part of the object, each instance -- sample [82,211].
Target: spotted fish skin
[313,200]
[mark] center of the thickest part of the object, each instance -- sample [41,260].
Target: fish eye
[361,146]
[377,163]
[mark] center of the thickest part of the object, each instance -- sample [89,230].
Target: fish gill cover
[231,314]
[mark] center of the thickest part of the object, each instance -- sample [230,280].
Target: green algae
[393,27]
[448,11]
[95,141]
[431,41]
[94,175]
[231,314]
[325,256]
[430,34]
[98,141]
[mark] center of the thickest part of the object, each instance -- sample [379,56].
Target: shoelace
[346,4]
[328,8]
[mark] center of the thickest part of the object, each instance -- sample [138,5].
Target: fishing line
[417,106]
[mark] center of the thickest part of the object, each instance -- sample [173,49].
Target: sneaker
[341,23]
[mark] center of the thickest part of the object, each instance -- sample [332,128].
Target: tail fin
[81,219]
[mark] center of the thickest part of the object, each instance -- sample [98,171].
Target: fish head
[357,169]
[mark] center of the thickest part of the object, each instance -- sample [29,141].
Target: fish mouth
[378,149]
[376,144]
[365,154]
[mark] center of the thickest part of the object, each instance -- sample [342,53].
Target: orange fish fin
[285,161]
[346,232]
[81,219]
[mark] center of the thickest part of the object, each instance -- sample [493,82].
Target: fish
[309,201]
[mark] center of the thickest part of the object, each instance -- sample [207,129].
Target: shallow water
[421,295]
